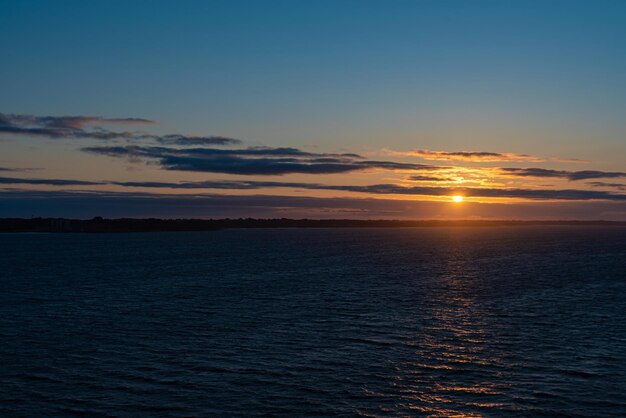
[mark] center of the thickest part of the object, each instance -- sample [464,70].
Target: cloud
[393,189]
[157,152]
[195,140]
[50,182]
[570,175]
[376,189]
[65,126]
[224,184]
[618,186]
[64,122]
[253,161]
[427,178]
[89,127]
[475,156]
[141,205]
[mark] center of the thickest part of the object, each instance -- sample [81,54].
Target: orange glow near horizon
[457,199]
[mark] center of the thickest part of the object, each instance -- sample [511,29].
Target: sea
[517,321]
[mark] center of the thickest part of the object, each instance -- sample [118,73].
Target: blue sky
[544,78]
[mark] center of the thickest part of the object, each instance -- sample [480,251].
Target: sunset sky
[321,109]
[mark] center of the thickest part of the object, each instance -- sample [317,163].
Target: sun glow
[457,199]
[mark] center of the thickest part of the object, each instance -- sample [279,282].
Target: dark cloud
[50,182]
[225,184]
[89,127]
[392,189]
[618,186]
[426,178]
[591,174]
[158,152]
[570,175]
[64,122]
[141,205]
[253,161]
[272,166]
[195,140]
[65,126]
[388,189]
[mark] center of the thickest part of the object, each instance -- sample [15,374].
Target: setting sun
[457,198]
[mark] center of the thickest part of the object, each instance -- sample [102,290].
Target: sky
[318,109]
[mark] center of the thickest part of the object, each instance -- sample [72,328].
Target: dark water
[511,321]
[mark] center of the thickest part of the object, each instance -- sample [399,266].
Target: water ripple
[390,322]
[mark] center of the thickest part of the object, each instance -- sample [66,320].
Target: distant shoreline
[120,225]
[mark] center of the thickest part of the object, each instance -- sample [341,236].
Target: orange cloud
[479,156]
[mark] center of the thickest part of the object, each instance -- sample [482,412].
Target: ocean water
[504,321]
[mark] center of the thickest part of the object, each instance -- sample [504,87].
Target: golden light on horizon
[457,198]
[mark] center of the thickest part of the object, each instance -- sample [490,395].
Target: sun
[457,198]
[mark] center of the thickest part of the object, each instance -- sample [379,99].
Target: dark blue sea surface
[502,321]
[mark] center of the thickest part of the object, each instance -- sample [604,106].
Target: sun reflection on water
[452,373]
